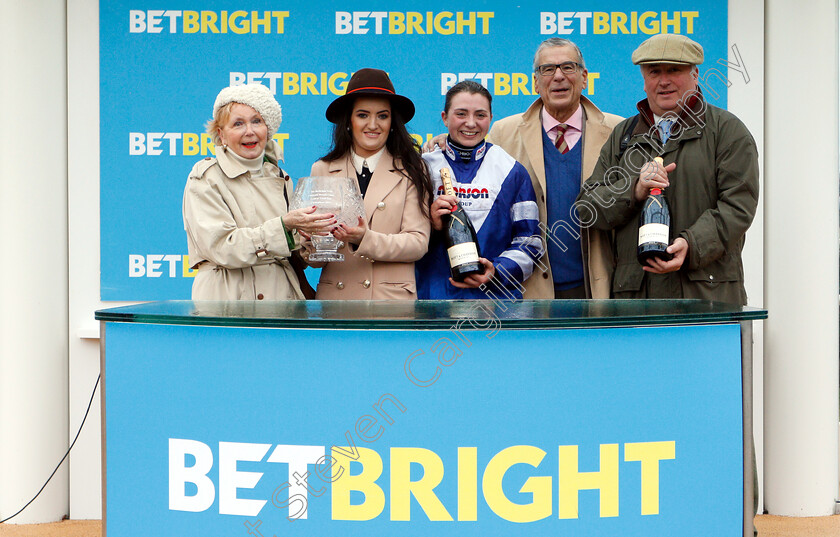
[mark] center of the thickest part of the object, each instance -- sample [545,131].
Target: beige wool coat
[382,267]
[521,135]
[234,230]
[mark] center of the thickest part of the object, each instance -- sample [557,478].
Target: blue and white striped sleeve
[516,263]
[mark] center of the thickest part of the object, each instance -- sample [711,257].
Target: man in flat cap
[709,177]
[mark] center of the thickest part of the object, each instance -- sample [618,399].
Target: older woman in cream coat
[371,143]
[240,233]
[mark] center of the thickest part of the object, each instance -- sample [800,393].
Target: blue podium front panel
[584,432]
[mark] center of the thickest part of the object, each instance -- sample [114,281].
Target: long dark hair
[404,149]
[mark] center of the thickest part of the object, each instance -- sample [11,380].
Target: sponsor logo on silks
[452,156]
[467,193]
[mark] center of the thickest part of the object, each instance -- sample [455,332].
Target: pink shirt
[574,123]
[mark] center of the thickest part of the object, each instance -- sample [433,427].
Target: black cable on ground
[64,457]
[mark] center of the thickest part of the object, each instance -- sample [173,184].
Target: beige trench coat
[234,230]
[382,267]
[521,135]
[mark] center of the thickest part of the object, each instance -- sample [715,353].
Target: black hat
[373,83]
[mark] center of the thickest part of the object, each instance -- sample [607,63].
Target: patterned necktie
[560,141]
[665,129]
[364,179]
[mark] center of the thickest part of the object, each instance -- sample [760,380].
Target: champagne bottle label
[462,253]
[653,233]
[447,182]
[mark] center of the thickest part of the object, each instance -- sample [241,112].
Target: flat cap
[668,48]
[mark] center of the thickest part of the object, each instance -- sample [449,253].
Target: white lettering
[136,143]
[359,22]
[136,21]
[447,80]
[180,475]
[343,22]
[230,479]
[297,457]
[153,139]
[155,17]
[136,268]
[548,23]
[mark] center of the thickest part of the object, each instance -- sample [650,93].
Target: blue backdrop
[162,65]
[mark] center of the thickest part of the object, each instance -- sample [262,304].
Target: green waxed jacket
[713,195]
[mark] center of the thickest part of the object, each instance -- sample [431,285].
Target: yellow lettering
[485,17]
[600,22]
[649,454]
[187,271]
[673,23]
[402,488]
[501,82]
[467,484]
[242,28]
[689,20]
[307,84]
[290,83]
[365,482]
[341,87]
[190,146]
[653,27]
[465,23]
[412,22]
[281,20]
[396,22]
[207,146]
[519,84]
[281,138]
[447,28]
[619,20]
[539,487]
[571,481]
[208,22]
[590,82]
[191,24]
[257,22]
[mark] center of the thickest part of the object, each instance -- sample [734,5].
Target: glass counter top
[433,314]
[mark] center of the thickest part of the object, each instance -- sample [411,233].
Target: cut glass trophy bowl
[336,195]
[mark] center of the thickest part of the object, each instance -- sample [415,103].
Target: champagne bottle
[654,226]
[461,240]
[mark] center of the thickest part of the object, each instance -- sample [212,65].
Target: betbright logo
[505,83]
[617,22]
[206,22]
[178,143]
[159,265]
[194,486]
[288,83]
[413,22]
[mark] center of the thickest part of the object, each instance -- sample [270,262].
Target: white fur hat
[257,97]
